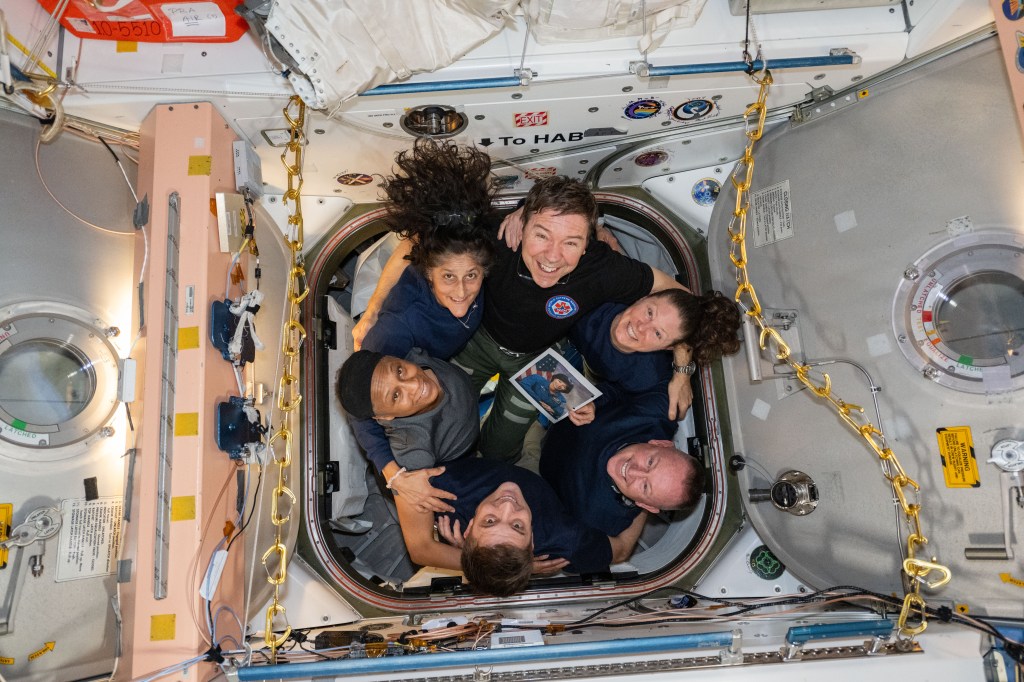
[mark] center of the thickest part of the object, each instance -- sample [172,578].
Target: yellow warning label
[6,517]
[200,165]
[126,46]
[161,628]
[957,451]
[183,508]
[188,337]
[1007,578]
[6,661]
[186,424]
[47,648]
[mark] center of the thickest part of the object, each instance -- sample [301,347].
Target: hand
[608,237]
[414,487]
[680,396]
[542,565]
[363,328]
[450,533]
[582,415]
[512,229]
[547,408]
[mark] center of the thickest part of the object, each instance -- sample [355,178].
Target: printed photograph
[553,386]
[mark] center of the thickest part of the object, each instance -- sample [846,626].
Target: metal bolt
[628,88]
[479,117]
[666,123]
[319,131]
[718,170]
[593,110]
[111,331]
[325,619]
[931,273]
[617,169]
[388,124]
[535,151]
[930,373]
[671,179]
[203,53]
[106,432]
[911,274]
[902,338]
[517,95]
[913,307]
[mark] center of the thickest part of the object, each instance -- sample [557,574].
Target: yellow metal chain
[912,619]
[289,395]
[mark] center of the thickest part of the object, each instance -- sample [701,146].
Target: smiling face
[651,474]
[650,324]
[553,244]
[503,518]
[400,388]
[455,282]
[558,386]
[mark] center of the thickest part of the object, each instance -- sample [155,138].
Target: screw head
[911,273]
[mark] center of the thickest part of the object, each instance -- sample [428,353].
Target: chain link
[912,619]
[289,395]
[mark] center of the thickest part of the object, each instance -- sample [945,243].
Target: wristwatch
[688,369]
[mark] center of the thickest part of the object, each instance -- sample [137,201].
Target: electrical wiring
[252,509]
[194,564]
[39,174]
[171,669]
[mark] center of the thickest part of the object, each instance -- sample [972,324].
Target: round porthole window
[58,380]
[958,314]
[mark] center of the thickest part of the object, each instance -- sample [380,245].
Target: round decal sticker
[643,108]
[355,179]
[1013,9]
[765,564]
[694,110]
[562,306]
[651,158]
[706,191]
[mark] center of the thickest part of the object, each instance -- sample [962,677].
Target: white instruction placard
[773,214]
[90,534]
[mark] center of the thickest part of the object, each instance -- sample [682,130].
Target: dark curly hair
[499,570]
[711,323]
[440,196]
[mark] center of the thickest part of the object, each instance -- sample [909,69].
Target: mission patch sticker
[706,191]
[643,108]
[561,306]
[956,449]
[695,109]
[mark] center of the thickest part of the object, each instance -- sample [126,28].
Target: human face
[503,518]
[651,474]
[456,281]
[553,244]
[400,388]
[557,386]
[650,324]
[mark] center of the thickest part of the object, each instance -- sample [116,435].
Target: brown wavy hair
[440,196]
[711,323]
[498,570]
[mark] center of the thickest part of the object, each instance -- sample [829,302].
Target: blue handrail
[678,70]
[382,666]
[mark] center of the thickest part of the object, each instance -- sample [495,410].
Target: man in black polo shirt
[533,296]
[504,516]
